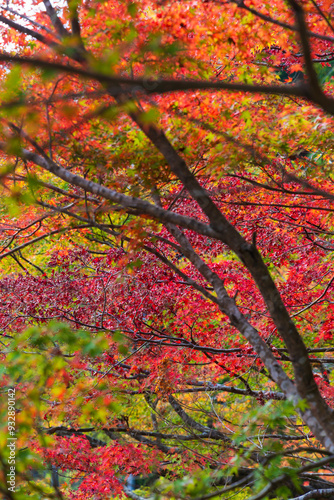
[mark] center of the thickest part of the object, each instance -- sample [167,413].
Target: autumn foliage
[166,281]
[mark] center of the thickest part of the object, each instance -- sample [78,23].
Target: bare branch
[321,493]
[62,31]
[158,86]
[29,32]
[38,238]
[315,89]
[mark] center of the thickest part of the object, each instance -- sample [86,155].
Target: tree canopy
[166,280]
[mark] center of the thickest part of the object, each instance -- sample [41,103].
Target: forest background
[166,238]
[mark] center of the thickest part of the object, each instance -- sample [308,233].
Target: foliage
[166,288]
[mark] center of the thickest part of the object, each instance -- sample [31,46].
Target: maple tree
[166,286]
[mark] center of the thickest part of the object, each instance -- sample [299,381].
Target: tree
[166,172]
